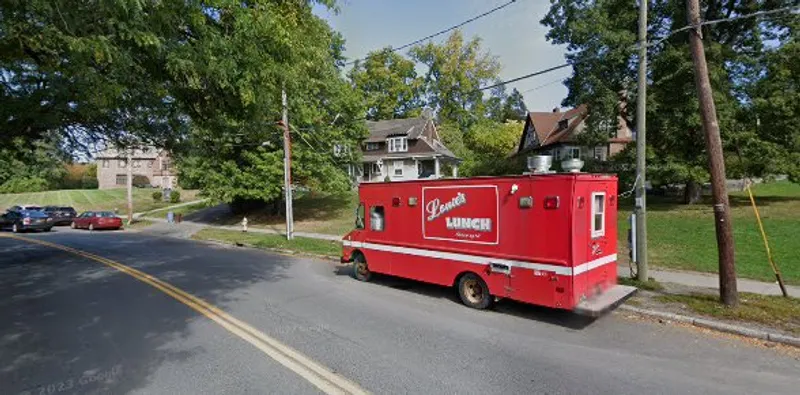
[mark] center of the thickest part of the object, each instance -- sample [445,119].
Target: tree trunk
[692,193]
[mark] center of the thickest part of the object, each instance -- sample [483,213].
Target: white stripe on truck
[484,260]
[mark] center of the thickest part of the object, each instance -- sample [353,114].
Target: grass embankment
[138,224]
[682,236]
[775,311]
[272,242]
[92,199]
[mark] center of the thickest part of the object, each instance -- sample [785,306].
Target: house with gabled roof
[555,133]
[404,149]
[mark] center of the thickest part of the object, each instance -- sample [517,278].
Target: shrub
[157,196]
[26,184]
[175,196]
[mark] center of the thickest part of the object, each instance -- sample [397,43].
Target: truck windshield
[360,216]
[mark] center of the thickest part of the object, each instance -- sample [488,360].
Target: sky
[513,34]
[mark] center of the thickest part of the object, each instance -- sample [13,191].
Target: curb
[717,326]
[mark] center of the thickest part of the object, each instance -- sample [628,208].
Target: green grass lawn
[259,240]
[91,199]
[682,237]
[776,311]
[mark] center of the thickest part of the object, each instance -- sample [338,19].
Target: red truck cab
[544,239]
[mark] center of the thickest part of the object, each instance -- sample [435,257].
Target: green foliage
[24,184]
[455,71]
[175,196]
[485,148]
[389,85]
[28,163]
[751,81]
[158,196]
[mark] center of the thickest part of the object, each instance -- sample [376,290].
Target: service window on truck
[598,214]
[376,218]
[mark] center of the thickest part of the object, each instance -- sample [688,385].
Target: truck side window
[360,216]
[376,218]
[598,214]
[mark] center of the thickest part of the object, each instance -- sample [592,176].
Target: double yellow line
[315,373]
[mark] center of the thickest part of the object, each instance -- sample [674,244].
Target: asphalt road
[73,325]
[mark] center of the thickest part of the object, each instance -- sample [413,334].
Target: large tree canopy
[205,75]
[455,71]
[389,85]
[743,55]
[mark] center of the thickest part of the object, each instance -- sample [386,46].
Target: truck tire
[474,292]
[360,269]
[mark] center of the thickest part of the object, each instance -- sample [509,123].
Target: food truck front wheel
[474,292]
[360,269]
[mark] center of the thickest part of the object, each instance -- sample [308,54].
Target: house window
[599,153]
[165,165]
[398,144]
[122,179]
[106,163]
[376,218]
[123,163]
[573,153]
[373,146]
[398,168]
[598,214]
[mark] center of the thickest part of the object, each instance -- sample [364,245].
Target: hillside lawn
[92,199]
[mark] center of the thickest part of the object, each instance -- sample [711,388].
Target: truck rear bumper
[605,301]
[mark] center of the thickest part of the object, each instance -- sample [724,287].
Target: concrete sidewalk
[710,280]
[692,279]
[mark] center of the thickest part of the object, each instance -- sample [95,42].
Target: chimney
[427,113]
[556,110]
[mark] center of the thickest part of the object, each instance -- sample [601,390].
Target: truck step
[606,301]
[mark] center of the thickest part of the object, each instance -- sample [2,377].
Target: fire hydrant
[244,224]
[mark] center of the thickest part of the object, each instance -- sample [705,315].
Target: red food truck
[544,239]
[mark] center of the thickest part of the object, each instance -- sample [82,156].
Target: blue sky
[513,34]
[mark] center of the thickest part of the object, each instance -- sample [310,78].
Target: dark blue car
[25,220]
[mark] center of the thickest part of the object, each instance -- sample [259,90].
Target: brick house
[554,133]
[404,149]
[153,164]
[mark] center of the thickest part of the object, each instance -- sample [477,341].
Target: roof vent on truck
[540,164]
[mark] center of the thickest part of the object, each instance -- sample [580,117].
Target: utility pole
[129,183]
[716,163]
[287,168]
[640,208]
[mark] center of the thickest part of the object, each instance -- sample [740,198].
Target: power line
[653,43]
[543,85]
[439,33]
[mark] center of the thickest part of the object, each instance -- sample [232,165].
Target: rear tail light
[26,221]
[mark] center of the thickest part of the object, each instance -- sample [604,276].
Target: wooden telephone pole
[716,163]
[287,167]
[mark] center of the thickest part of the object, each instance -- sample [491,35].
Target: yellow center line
[315,373]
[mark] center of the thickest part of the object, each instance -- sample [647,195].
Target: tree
[601,38]
[514,108]
[389,85]
[455,71]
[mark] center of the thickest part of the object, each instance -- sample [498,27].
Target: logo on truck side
[447,216]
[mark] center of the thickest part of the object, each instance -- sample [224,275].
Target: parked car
[31,207]
[61,215]
[25,220]
[97,220]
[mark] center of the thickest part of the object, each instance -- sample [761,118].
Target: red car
[97,220]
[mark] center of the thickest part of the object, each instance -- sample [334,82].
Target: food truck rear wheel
[360,269]
[474,292]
